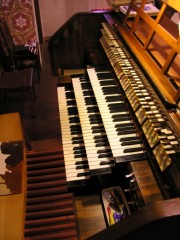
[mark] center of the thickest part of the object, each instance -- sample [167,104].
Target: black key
[83,174]
[100,136]
[88,93]
[132,150]
[68,87]
[128,139]
[104,151]
[121,115]
[109,90]
[77,138]
[113,98]
[76,132]
[92,116]
[79,141]
[107,83]
[101,140]
[74,119]
[97,127]
[102,144]
[128,128]
[98,130]
[79,148]
[90,101]
[72,111]
[95,118]
[93,109]
[81,162]
[81,155]
[123,125]
[120,119]
[134,157]
[116,105]
[104,155]
[71,102]
[124,132]
[127,143]
[77,152]
[70,95]
[115,108]
[95,121]
[75,126]
[82,166]
[86,86]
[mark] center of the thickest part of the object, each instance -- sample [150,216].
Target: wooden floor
[90,215]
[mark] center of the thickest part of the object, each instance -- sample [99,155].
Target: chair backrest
[3,45]
[5,54]
[6,33]
[1,72]
[6,46]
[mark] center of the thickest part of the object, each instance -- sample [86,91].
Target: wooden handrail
[159,220]
[159,71]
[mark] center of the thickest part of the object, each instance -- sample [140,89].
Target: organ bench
[12,206]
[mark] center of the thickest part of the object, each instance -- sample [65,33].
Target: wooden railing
[150,32]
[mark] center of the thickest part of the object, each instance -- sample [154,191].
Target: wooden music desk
[12,207]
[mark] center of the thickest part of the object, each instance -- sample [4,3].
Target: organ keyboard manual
[120,118]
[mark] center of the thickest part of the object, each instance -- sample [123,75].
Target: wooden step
[45,171]
[45,158]
[66,227]
[65,235]
[47,191]
[68,210]
[49,177]
[46,153]
[47,184]
[49,198]
[31,223]
[41,165]
[49,205]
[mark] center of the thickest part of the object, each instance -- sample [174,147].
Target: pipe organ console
[121,117]
[120,127]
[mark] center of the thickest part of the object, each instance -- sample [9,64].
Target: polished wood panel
[158,220]
[12,207]
[146,181]
[90,215]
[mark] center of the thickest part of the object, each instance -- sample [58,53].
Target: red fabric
[19,18]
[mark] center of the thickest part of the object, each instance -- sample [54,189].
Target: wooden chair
[17,56]
[17,81]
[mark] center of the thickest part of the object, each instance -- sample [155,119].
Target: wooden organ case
[120,120]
